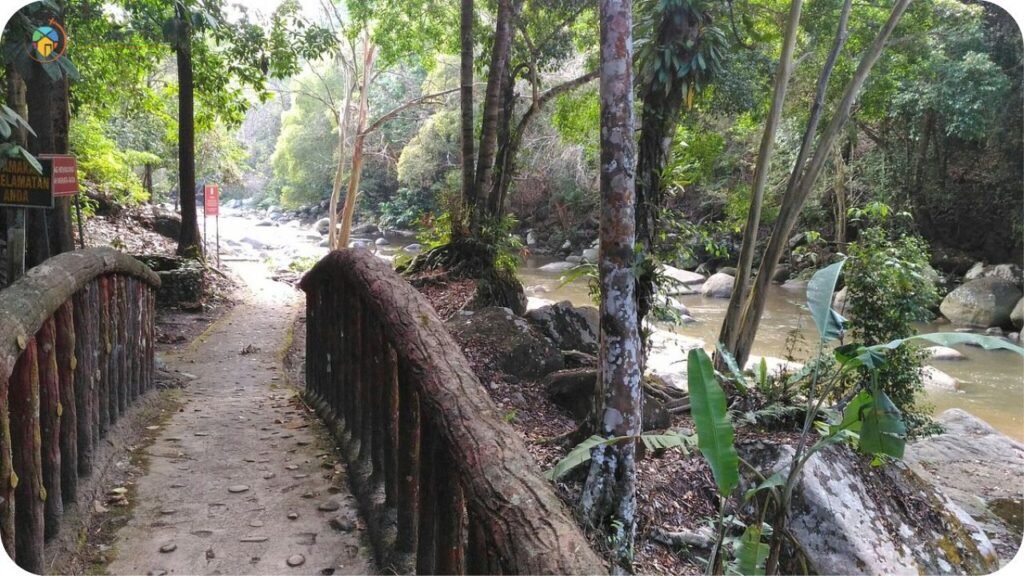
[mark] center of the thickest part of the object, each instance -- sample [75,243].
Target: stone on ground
[569,327]
[520,349]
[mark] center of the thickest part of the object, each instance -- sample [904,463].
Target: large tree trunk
[796,195]
[39,97]
[609,496]
[189,242]
[469,195]
[507,13]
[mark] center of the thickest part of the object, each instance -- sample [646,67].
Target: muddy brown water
[991,382]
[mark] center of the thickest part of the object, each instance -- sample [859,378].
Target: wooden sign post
[211,207]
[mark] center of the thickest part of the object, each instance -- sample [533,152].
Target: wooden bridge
[445,486]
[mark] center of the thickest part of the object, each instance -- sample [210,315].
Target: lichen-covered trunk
[609,496]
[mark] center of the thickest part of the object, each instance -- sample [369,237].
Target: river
[991,382]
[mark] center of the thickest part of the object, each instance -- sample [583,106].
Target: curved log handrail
[27,303]
[517,524]
[76,350]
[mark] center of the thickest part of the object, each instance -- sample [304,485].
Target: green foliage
[714,428]
[406,209]
[304,156]
[890,287]
[577,118]
[108,167]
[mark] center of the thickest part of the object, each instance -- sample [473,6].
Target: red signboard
[64,181]
[211,199]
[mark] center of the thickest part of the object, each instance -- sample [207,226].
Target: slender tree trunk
[147,181]
[795,197]
[609,495]
[469,191]
[189,243]
[344,119]
[737,301]
[506,165]
[357,147]
[507,13]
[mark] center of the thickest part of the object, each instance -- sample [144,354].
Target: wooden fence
[76,349]
[447,486]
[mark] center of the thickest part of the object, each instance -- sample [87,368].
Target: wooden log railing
[447,486]
[76,348]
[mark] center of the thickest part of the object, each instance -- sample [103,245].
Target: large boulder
[719,285]
[519,349]
[1008,272]
[684,277]
[573,391]
[1017,315]
[983,302]
[981,470]
[853,518]
[569,327]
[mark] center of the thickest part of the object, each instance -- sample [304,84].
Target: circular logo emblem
[48,42]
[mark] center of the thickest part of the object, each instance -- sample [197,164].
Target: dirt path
[242,480]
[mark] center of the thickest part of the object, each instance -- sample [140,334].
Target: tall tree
[609,496]
[189,240]
[741,322]
[681,54]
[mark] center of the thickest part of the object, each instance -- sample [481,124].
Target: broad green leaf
[882,430]
[853,415]
[576,457]
[819,301]
[30,159]
[714,429]
[751,553]
[667,441]
[774,481]
[5,130]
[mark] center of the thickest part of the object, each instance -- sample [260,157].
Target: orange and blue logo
[49,42]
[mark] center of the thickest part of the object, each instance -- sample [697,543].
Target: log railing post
[29,494]
[67,408]
[6,472]
[49,425]
[103,399]
[408,474]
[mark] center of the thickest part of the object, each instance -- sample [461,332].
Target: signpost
[22,187]
[211,207]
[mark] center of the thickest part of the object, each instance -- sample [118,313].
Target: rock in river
[983,302]
[718,286]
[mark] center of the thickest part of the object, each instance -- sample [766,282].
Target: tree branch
[402,108]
